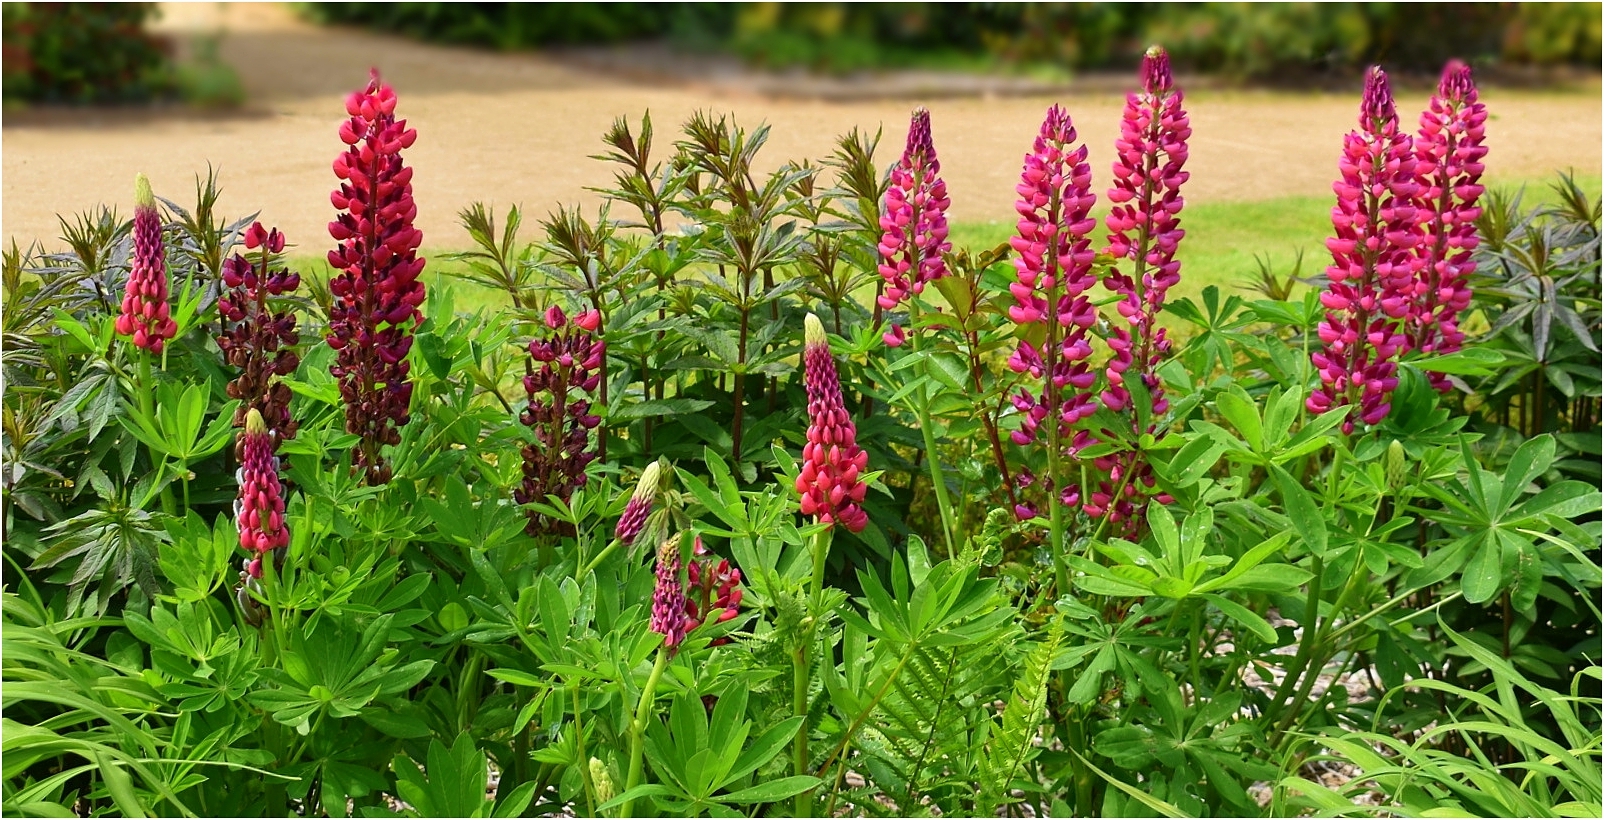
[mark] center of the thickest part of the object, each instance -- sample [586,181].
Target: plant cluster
[760,497]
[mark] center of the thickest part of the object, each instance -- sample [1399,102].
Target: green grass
[1222,240]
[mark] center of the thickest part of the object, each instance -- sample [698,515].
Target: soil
[510,128]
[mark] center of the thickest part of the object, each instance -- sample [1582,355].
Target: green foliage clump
[81,52]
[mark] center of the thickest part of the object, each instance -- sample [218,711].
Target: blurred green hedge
[1246,40]
[80,52]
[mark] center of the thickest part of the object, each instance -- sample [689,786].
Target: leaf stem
[637,728]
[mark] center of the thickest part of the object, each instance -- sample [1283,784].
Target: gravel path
[517,128]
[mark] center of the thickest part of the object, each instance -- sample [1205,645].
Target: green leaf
[120,786]
[770,791]
[1243,616]
[1531,459]
[1306,516]
[1483,575]
[1238,409]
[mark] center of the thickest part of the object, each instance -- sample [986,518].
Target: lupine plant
[728,612]
[377,291]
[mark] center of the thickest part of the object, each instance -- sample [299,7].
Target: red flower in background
[1144,232]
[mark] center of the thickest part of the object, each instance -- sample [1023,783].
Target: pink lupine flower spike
[1373,263]
[831,461]
[1053,260]
[1449,151]
[146,316]
[914,221]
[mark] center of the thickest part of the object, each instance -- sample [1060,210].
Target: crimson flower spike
[146,316]
[565,372]
[1053,260]
[376,288]
[1449,151]
[829,482]
[1144,232]
[914,221]
[259,508]
[1372,275]
[256,339]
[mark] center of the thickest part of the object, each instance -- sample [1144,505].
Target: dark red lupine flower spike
[255,338]
[146,315]
[1144,232]
[567,372]
[1373,263]
[714,591]
[831,461]
[1450,151]
[914,221]
[259,510]
[376,291]
[1053,260]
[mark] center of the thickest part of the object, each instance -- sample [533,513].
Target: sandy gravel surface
[517,128]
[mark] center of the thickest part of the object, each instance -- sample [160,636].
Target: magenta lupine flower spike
[1449,151]
[1144,231]
[1143,225]
[567,372]
[668,597]
[831,461]
[1374,263]
[914,221]
[640,504]
[1053,259]
[146,315]
[259,510]
[376,291]
[254,338]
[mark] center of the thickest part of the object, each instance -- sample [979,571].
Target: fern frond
[1013,743]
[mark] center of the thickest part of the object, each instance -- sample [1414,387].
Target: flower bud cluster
[914,222]
[633,519]
[1449,151]
[1053,262]
[832,464]
[1372,278]
[146,316]
[259,509]
[256,339]
[376,288]
[567,362]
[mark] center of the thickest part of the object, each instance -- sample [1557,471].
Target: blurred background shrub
[80,52]
[1241,40]
[86,53]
